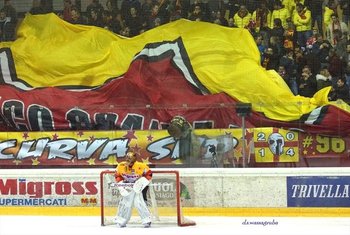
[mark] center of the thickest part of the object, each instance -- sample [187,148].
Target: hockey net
[163,199]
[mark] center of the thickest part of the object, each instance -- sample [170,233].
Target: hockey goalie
[133,178]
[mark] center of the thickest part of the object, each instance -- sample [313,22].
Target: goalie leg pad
[142,209]
[140,184]
[125,209]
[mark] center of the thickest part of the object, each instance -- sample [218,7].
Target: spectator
[323,79]
[220,19]
[125,32]
[77,18]
[107,19]
[95,18]
[281,13]
[340,44]
[321,49]
[311,40]
[345,7]
[146,8]
[271,59]
[328,12]
[287,60]
[293,5]
[300,61]
[262,17]
[340,91]
[37,8]
[232,7]
[47,6]
[277,46]
[7,29]
[335,24]
[289,5]
[185,6]
[126,5]
[112,7]
[117,24]
[231,23]
[336,65]
[258,40]
[150,20]
[134,22]
[347,62]
[290,37]
[277,30]
[347,57]
[197,14]
[96,6]
[242,17]
[308,85]
[288,79]
[216,5]
[316,9]
[67,8]
[347,74]
[163,11]
[10,12]
[302,20]
[313,62]
[251,5]
[332,4]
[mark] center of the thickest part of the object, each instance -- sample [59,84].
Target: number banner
[317,146]
[275,145]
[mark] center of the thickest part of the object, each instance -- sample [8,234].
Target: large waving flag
[58,76]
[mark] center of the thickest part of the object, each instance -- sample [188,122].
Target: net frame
[180,219]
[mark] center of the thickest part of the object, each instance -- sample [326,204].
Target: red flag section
[159,84]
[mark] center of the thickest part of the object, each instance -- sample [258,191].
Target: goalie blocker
[163,198]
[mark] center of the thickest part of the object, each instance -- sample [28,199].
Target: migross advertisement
[49,191]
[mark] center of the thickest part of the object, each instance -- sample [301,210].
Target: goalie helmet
[130,158]
[276,143]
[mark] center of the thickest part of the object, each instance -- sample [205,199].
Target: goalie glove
[140,184]
[122,187]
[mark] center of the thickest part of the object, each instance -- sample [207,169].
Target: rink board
[233,212]
[307,192]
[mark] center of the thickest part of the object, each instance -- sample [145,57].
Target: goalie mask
[276,143]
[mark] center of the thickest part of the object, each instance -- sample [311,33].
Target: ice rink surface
[90,225]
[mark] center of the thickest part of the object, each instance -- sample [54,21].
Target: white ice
[90,225]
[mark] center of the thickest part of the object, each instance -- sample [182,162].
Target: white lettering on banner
[27,150]
[83,149]
[37,189]
[33,202]
[320,191]
[63,148]
[160,148]
[7,145]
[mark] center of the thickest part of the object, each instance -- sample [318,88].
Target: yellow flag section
[275,145]
[52,52]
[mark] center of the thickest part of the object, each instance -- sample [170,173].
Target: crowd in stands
[305,41]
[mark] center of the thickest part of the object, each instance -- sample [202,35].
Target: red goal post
[163,199]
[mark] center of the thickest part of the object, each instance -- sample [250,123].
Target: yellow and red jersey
[131,174]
